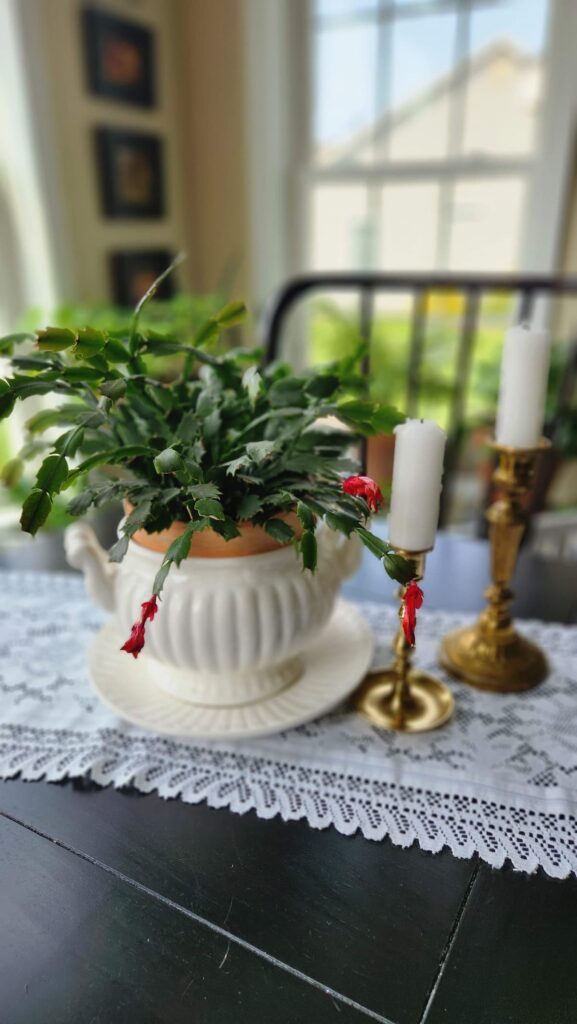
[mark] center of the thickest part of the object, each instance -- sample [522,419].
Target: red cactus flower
[135,642]
[412,600]
[364,487]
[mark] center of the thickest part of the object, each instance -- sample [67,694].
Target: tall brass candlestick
[491,654]
[400,698]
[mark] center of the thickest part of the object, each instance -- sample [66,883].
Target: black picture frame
[132,271]
[119,58]
[131,173]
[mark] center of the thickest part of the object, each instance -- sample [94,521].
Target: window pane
[341,235]
[408,227]
[333,322]
[505,77]
[423,51]
[344,90]
[344,8]
[523,23]
[487,217]
[390,348]
[495,316]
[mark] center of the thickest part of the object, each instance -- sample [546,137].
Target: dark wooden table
[120,907]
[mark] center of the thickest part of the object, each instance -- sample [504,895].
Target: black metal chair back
[472,287]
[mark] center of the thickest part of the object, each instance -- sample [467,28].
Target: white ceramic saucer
[335,663]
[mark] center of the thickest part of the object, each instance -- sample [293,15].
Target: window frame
[281,174]
[447,172]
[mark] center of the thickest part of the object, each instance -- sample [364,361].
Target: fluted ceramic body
[228,630]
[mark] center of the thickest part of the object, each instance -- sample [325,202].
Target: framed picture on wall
[119,57]
[133,271]
[131,177]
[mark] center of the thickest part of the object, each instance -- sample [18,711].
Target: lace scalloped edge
[467,826]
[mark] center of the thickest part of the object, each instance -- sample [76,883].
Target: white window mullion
[457,116]
[472,167]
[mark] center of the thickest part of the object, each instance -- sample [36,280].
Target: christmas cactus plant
[227,441]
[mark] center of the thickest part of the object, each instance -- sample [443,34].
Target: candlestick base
[400,697]
[501,661]
[491,655]
[426,705]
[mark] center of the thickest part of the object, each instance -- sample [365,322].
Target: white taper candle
[416,490]
[524,372]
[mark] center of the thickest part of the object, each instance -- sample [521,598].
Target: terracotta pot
[253,540]
[380,455]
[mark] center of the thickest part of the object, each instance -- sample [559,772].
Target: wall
[66,116]
[212,125]
[28,265]
[200,113]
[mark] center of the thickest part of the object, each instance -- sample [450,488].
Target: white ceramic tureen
[229,631]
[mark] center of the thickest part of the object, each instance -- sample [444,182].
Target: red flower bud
[412,600]
[364,487]
[135,642]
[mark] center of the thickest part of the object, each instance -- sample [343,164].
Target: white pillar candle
[524,372]
[416,490]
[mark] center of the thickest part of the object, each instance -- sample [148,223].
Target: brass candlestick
[401,698]
[491,654]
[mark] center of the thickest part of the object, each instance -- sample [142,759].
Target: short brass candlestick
[491,654]
[400,698]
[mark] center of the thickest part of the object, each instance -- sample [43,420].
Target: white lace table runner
[500,780]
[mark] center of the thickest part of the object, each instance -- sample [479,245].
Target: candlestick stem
[491,654]
[400,698]
[400,695]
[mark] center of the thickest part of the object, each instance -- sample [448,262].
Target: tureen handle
[344,552]
[85,553]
